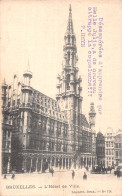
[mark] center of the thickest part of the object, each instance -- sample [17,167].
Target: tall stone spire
[69,89]
[70,23]
[70,49]
[68,82]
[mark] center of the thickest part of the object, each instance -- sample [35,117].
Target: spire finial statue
[70,9]
[4,81]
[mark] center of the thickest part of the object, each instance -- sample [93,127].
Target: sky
[34,31]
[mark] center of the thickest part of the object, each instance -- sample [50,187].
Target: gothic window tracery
[68,82]
[52,126]
[68,58]
[68,38]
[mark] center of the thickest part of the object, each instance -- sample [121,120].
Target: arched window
[72,40]
[68,82]
[68,38]
[68,58]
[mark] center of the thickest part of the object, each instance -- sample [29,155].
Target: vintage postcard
[61,97]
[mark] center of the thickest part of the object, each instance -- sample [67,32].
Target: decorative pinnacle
[28,72]
[92,109]
[4,81]
[70,23]
[70,9]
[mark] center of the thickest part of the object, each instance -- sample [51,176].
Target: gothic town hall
[39,132]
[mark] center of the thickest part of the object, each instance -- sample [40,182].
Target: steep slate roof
[84,121]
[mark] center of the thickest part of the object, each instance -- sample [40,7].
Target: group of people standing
[84,176]
[12,177]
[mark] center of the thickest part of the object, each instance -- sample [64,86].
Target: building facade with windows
[118,147]
[109,147]
[100,149]
[45,132]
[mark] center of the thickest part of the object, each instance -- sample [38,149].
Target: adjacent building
[100,149]
[40,132]
[109,147]
[118,147]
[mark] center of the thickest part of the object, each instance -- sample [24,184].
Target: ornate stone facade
[109,147]
[46,132]
[118,147]
[100,149]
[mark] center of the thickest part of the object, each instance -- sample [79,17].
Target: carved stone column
[25,161]
[83,161]
[8,166]
[86,162]
[67,163]
[63,163]
[36,164]
[31,165]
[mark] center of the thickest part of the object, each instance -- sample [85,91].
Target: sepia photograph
[61,97]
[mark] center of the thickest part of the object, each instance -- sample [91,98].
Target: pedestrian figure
[84,176]
[4,176]
[118,174]
[110,170]
[73,174]
[13,176]
[52,171]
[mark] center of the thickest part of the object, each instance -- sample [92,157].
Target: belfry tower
[69,83]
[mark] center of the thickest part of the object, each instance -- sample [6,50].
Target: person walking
[73,174]
[52,171]
[4,176]
[118,173]
[84,176]
[13,176]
